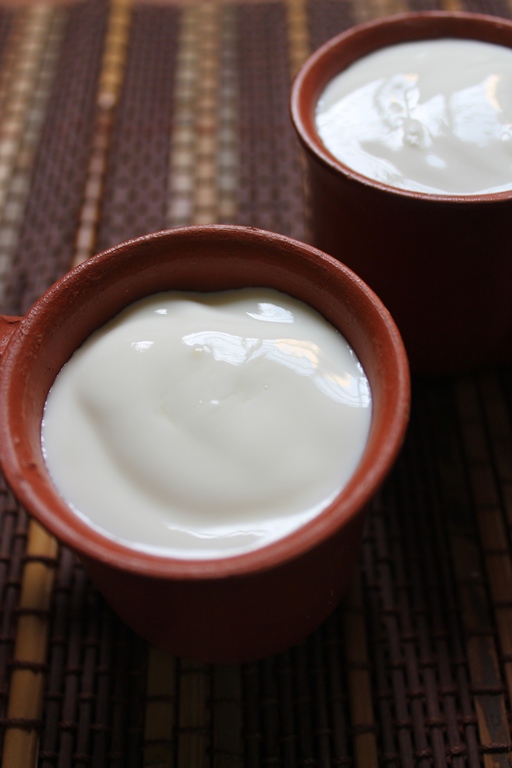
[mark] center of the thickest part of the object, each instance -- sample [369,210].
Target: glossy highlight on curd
[431,116]
[206,425]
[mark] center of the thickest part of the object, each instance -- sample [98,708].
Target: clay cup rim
[194,258]
[344,49]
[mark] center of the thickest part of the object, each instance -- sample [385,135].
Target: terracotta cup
[239,607]
[441,264]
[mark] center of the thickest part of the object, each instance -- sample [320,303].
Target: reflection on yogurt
[201,425]
[433,116]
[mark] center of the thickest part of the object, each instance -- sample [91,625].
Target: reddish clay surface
[240,607]
[440,264]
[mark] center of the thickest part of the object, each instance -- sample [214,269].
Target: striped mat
[118,119]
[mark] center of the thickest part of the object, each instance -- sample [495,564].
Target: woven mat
[120,119]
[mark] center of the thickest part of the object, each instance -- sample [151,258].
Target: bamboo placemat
[118,119]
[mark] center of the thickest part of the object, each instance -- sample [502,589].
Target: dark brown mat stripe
[47,237]
[136,187]
[493,7]
[326,19]
[6,17]
[270,187]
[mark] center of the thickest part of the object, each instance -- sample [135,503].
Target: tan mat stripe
[27,680]
[204,198]
[112,70]
[194,721]
[453,5]
[227,150]
[299,46]
[355,636]
[182,156]
[160,709]
[31,60]
[203,172]
[190,3]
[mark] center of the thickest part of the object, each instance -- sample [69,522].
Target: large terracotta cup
[240,607]
[441,264]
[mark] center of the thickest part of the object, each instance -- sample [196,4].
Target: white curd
[433,116]
[205,425]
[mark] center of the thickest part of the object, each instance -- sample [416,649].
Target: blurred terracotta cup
[238,607]
[440,263]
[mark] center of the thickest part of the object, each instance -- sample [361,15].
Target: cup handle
[8,325]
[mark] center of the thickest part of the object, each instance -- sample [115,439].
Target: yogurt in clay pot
[207,425]
[432,116]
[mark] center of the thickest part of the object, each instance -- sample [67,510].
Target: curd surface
[431,116]
[205,425]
